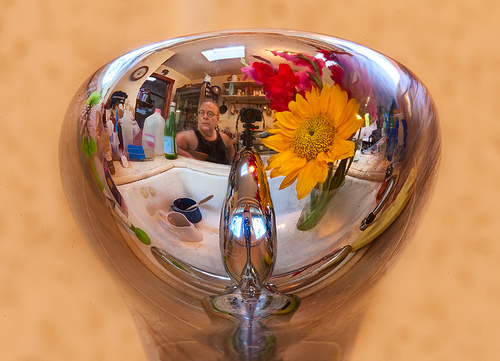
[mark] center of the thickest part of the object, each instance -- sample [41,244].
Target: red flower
[259,72]
[281,84]
[305,84]
[278,84]
[281,88]
[311,75]
[337,72]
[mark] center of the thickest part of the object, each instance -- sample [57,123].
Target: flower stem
[322,195]
[316,209]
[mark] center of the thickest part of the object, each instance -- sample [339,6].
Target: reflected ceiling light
[151,78]
[230,52]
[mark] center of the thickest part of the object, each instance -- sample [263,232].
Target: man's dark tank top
[215,150]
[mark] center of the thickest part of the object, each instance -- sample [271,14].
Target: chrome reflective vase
[314,158]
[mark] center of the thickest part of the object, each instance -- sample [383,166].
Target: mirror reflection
[333,125]
[248,188]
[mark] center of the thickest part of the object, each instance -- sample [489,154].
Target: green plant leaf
[89,146]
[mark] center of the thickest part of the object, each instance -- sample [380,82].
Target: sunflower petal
[274,173]
[350,110]
[306,180]
[321,171]
[285,120]
[289,179]
[277,160]
[350,121]
[338,101]
[287,133]
[300,107]
[303,104]
[324,100]
[295,163]
[340,149]
[313,99]
[278,142]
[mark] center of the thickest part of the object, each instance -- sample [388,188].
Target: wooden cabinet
[187,100]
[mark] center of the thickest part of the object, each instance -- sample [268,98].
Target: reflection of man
[206,142]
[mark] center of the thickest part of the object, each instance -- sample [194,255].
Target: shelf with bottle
[243,89]
[259,99]
[143,104]
[142,111]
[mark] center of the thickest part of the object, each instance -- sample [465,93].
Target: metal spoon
[206,199]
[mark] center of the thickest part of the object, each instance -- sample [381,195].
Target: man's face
[205,122]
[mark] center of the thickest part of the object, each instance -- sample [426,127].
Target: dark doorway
[156,92]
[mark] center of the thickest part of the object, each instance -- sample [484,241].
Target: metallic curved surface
[367,221]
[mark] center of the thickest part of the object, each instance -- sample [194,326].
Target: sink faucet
[248,241]
[247,228]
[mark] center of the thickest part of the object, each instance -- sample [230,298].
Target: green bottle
[170,144]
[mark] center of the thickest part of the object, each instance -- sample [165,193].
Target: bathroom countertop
[142,170]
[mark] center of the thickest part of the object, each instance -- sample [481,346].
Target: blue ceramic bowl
[180,204]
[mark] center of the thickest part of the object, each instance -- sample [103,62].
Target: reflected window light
[244,170]
[235,225]
[230,52]
[258,226]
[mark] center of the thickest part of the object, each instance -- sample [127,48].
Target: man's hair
[209,100]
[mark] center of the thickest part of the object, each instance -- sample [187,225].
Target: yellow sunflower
[314,132]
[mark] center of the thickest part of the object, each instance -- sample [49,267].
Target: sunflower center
[313,136]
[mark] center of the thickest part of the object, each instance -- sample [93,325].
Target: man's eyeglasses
[209,114]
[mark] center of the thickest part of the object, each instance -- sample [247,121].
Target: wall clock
[139,73]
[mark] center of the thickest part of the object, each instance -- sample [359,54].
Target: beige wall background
[441,300]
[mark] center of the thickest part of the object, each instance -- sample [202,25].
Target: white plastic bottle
[127,130]
[152,135]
